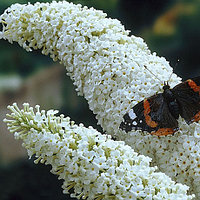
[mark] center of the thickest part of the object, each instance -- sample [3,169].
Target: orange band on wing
[193,86]
[148,119]
[164,132]
[196,118]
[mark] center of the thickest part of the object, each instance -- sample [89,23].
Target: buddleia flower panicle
[94,165]
[107,68]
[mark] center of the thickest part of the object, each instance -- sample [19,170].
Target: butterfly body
[159,113]
[170,99]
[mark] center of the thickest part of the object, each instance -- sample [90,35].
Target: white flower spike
[107,67]
[95,166]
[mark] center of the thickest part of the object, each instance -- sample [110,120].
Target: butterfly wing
[151,115]
[188,97]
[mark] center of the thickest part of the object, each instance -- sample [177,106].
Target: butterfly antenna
[173,70]
[153,74]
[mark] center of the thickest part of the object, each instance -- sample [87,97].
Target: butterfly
[159,113]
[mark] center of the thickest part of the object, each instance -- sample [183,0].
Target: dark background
[170,28]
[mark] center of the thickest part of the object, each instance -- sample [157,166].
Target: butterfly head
[166,86]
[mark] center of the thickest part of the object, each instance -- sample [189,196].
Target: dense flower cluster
[107,66]
[91,163]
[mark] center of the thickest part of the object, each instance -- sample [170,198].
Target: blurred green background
[169,27]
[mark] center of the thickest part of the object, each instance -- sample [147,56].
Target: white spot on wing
[134,123]
[132,115]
